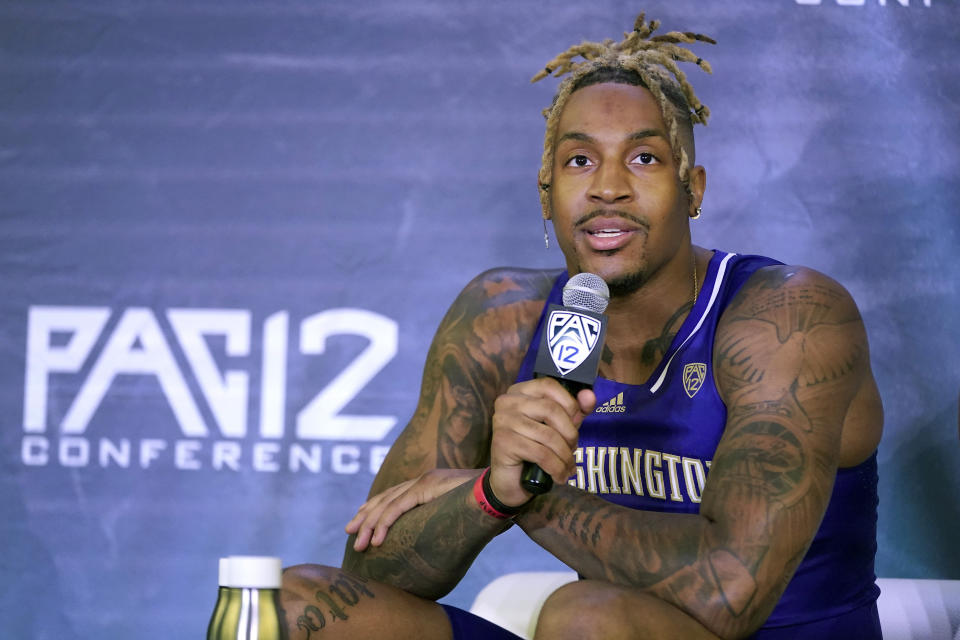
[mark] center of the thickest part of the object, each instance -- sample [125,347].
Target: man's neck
[641,325]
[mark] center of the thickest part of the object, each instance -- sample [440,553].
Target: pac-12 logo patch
[693,376]
[571,337]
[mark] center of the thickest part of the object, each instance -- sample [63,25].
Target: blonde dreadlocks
[640,58]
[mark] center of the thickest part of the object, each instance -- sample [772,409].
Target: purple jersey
[650,447]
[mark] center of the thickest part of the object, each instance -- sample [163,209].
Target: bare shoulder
[793,331]
[503,286]
[494,318]
[790,322]
[474,357]
[497,312]
[775,290]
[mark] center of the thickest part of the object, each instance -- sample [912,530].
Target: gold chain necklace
[696,291]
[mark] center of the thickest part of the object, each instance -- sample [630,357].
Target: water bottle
[223,595]
[251,608]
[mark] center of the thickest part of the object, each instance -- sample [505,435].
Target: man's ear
[698,184]
[546,197]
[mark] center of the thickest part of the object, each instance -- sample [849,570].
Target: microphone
[570,349]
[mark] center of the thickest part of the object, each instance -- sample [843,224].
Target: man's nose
[611,184]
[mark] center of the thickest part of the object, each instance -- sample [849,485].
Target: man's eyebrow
[575,135]
[636,135]
[647,133]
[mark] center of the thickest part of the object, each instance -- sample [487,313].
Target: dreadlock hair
[640,59]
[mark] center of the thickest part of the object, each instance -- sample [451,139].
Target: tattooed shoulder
[475,356]
[789,331]
[496,313]
[504,286]
[793,298]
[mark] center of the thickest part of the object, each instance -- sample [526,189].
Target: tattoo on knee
[347,589]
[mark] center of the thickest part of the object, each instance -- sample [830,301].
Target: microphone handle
[533,478]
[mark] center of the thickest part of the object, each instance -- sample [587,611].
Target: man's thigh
[596,609]
[327,603]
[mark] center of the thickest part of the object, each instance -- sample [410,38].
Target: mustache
[608,213]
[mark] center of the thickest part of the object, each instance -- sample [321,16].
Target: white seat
[919,609]
[910,609]
[514,600]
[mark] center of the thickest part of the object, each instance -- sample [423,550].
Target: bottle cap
[222,572]
[254,572]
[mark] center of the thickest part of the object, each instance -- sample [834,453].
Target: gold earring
[696,213]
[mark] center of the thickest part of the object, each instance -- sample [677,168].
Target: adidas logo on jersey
[613,405]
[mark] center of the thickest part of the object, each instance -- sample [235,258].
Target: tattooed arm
[474,358]
[792,366]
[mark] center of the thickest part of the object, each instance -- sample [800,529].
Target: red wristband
[481,498]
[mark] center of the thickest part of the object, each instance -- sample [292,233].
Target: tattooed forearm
[429,548]
[603,541]
[714,570]
[474,358]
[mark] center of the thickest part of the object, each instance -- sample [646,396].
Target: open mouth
[608,230]
[607,238]
[607,233]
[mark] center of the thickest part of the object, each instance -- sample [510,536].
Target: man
[753,370]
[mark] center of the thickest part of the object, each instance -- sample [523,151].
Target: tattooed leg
[597,609]
[327,603]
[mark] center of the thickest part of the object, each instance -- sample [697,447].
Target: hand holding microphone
[570,347]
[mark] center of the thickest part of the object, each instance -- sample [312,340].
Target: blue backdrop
[228,230]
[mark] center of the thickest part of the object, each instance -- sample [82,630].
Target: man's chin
[619,282]
[625,284]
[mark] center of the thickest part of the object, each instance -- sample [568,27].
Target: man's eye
[645,158]
[579,161]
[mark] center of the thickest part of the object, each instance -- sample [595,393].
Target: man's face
[618,207]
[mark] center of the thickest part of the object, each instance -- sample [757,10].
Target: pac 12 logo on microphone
[572,336]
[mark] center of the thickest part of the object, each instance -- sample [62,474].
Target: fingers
[587,400]
[543,400]
[535,421]
[364,522]
[367,507]
[547,388]
[577,407]
[427,487]
[393,510]
[375,517]
[533,438]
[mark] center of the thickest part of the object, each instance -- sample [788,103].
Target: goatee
[626,284]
